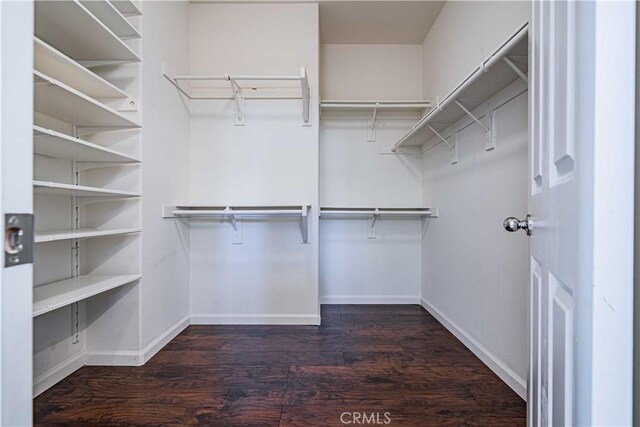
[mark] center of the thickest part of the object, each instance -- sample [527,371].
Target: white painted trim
[113,358]
[136,358]
[59,372]
[163,339]
[370,299]
[255,319]
[519,385]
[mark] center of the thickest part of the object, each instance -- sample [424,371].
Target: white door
[581,202]
[16,159]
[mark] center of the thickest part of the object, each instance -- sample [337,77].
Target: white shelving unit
[47,142]
[71,28]
[110,16]
[232,213]
[62,293]
[55,99]
[76,257]
[55,236]
[505,65]
[56,65]
[205,88]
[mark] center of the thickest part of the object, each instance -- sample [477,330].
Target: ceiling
[377,22]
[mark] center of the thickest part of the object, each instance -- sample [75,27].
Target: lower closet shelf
[59,189]
[55,295]
[83,233]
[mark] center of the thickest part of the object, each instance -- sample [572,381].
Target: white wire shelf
[232,213]
[59,189]
[110,16]
[57,65]
[373,214]
[71,28]
[83,233]
[505,65]
[126,7]
[372,106]
[59,294]
[47,142]
[203,88]
[55,99]
[352,212]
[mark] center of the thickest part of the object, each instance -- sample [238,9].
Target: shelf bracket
[304,224]
[515,68]
[371,230]
[236,233]
[490,143]
[305,94]
[440,137]
[454,160]
[371,129]
[239,99]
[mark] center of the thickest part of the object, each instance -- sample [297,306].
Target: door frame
[16,196]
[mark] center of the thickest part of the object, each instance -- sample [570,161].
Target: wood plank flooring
[363,359]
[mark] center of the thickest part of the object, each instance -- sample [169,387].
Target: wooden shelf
[126,7]
[59,294]
[71,28]
[47,142]
[58,189]
[57,65]
[55,99]
[85,233]
[110,16]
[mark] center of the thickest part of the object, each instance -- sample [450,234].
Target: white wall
[273,160]
[474,274]
[369,71]
[462,36]
[165,178]
[358,173]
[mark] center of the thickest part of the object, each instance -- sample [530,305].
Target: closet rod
[484,67]
[373,105]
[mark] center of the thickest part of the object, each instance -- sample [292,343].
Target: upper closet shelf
[110,16]
[126,7]
[47,142]
[57,65]
[71,28]
[231,213]
[59,189]
[55,99]
[208,87]
[496,72]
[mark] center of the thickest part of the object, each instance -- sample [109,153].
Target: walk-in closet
[296,212]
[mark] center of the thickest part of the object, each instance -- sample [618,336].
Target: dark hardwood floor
[363,359]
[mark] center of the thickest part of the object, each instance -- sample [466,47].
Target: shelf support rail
[443,139]
[515,68]
[490,142]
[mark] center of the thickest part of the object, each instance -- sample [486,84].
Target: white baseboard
[59,372]
[518,384]
[370,299]
[136,358]
[113,358]
[255,319]
[156,345]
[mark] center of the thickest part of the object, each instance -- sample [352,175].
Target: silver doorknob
[514,224]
